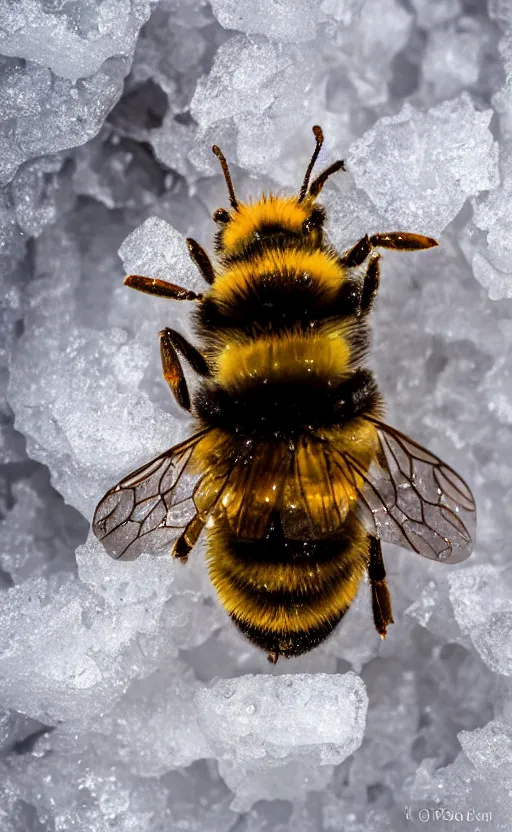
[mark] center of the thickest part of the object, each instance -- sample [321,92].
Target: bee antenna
[320,181]
[319,136]
[225,170]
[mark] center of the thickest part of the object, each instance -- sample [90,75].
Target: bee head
[299,216]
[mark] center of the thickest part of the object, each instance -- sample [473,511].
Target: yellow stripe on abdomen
[289,357]
[318,267]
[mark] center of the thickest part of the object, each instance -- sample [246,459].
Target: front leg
[356,295]
[161,288]
[381,601]
[172,342]
[396,240]
[201,259]
[370,284]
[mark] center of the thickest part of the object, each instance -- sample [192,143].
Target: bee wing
[413,499]
[149,508]
[298,481]
[254,487]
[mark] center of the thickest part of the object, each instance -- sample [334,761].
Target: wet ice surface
[127,701]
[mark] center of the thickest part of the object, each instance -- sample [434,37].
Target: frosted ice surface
[481,601]
[76,38]
[420,167]
[282,20]
[257,723]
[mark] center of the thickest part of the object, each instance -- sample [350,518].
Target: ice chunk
[492,257]
[433,14]
[500,11]
[72,39]
[452,57]
[285,724]
[474,791]
[250,76]
[343,11]
[65,654]
[156,249]
[432,610]
[490,750]
[490,253]
[65,788]
[42,114]
[420,167]
[483,608]
[101,427]
[241,80]
[379,31]
[263,87]
[154,728]
[117,172]
[39,532]
[281,20]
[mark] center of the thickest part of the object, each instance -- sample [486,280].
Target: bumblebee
[291,470]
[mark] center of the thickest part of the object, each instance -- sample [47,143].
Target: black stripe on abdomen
[287,407]
[286,643]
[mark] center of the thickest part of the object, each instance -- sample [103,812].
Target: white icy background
[127,700]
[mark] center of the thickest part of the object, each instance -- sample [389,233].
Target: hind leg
[370,284]
[188,538]
[381,601]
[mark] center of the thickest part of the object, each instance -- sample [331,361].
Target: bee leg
[357,254]
[188,538]
[201,259]
[171,342]
[381,601]
[402,241]
[273,657]
[370,284]
[397,240]
[153,286]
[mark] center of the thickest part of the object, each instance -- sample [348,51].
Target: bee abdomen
[287,604]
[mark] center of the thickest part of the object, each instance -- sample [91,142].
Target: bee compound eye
[221,215]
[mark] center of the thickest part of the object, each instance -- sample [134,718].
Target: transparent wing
[149,509]
[413,499]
